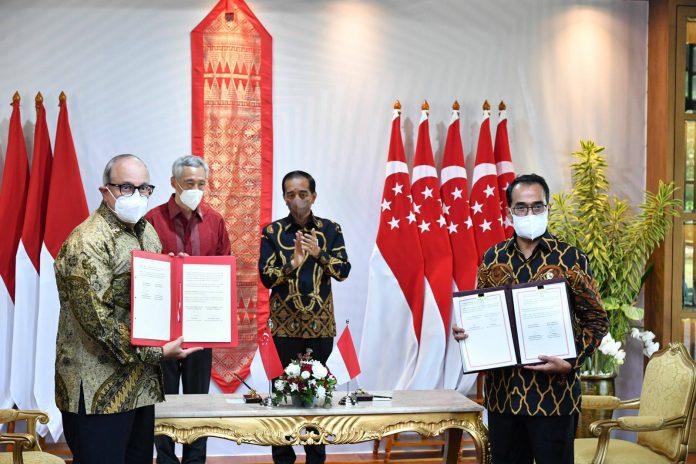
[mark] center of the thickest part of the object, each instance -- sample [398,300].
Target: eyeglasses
[523,210]
[127,189]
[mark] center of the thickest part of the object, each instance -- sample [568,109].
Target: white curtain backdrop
[566,70]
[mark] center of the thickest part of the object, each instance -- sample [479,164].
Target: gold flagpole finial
[62,98]
[486,106]
[425,106]
[455,105]
[397,105]
[502,106]
[16,98]
[39,100]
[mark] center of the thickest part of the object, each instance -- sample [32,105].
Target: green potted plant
[617,241]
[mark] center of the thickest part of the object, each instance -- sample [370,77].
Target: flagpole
[348,401]
[268,401]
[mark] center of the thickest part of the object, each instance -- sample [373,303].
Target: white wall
[567,70]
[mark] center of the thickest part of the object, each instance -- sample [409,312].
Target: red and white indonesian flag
[454,193]
[65,210]
[343,361]
[503,166]
[485,202]
[395,288]
[28,255]
[15,181]
[437,255]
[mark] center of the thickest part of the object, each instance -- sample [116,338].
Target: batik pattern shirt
[93,349]
[520,391]
[301,300]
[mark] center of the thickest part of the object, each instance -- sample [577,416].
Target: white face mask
[130,209]
[531,226]
[191,198]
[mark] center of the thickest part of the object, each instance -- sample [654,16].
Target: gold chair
[666,406]
[26,447]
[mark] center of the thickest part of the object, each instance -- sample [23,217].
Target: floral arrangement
[307,380]
[609,355]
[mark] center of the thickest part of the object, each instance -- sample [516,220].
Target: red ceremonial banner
[232,128]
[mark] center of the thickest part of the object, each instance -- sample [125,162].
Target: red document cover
[193,296]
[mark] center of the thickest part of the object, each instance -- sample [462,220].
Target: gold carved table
[185,418]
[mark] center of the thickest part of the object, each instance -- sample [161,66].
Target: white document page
[543,322]
[485,319]
[207,302]
[151,299]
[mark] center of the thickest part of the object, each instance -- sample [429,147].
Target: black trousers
[517,439]
[194,372]
[122,438]
[288,349]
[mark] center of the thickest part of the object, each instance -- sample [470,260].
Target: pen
[242,380]
[380,396]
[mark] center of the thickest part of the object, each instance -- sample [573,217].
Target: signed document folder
[193,296]
[513,325]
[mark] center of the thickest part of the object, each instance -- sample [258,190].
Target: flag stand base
[268,401]
[348,401]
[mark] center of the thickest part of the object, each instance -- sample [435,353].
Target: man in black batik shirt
[299,255]
[533,410]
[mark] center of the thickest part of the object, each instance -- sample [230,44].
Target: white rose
[610,348]
[620,356]
[605,341]
[305,375]
[319,371]
[293,370]
[650,349]
[321,392]
[279,384]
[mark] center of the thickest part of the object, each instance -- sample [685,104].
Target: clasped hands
[305,244]
[550,364]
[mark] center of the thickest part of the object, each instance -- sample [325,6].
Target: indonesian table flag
[485,202]
[343,361]
[395,287]
[28,256]
[503,166]
[15,181]
[437,255]
[454,193]
[65,210]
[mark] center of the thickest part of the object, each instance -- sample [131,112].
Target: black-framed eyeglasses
[523,210]
[127,189]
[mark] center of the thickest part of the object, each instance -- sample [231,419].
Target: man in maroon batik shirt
[187,225]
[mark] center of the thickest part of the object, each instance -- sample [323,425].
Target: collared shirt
[520,391]
[301,299]
[93,349]
[204,234]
